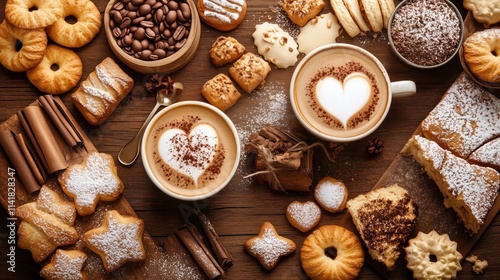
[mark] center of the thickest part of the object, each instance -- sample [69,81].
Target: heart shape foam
[189,154]
[344,99]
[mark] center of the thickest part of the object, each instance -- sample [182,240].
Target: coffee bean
[153,57]
[157,5]
[123,12]
[145,54]
[131,7]
[147,24]
[144,9]
[173,5]
[186,11]
[160,45]
[117,32]
[179,33]
[150,34]
[150,2]
[165,2]
[140,33]
[171,16]
[161,53]
[132,15]
[118,6]
[137,2]
[117,17]
[125,22]
[159,16]
[136,46]
[164,9]
[145,43]
[127,40]
[126,1]
[112,24]
[173,26]
[166,33]
[132,29]
[180,16]
[161,27]
[180,44]
[138,20]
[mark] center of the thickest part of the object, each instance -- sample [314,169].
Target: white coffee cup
[342,93]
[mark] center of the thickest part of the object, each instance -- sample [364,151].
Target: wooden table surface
[239,210]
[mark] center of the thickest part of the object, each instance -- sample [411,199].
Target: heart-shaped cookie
[303,215]
[189,154]
[344,99]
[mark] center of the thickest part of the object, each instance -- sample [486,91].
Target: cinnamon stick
[34,165]
[37,123]
[199,252]
[15,155]
[57,121]
[222,255]
[180,259]
[31,137]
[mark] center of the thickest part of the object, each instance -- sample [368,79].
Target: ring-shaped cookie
[58,72]
[32,14]
[349,258]
[21,49]
[87,25]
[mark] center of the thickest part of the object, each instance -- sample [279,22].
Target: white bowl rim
[153,177]
[325,136]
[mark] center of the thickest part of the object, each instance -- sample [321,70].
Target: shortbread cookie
[386,8]
[303,215]
[319,31]
[385,218]
[225,50]
[487,155]
[355,12]
[331,194]
[275,45]
[484,11]
[220,92]
[46,224]
[117,241]
[268,247]
[65,265]
[93,180]
[465,118]
[370,9]
[224,15]
[301,11]
[423,246]
[345,18]
[469,189]
[250,71]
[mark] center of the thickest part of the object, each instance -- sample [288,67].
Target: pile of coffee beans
[150,29]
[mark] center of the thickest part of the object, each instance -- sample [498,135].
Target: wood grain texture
[239,210]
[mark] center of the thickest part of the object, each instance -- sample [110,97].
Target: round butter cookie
[21,49]
[86,27]
[331,194]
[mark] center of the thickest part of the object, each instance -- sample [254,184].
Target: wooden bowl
[168,64]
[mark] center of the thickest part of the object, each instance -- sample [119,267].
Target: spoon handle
[128,154]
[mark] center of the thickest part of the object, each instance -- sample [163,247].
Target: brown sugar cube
[225,50]
[220,92]
[250,71]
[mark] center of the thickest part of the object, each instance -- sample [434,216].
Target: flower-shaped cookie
[65,264]
[268,246]
[94,179]
[117,240]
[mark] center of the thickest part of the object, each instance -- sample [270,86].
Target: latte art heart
[189,154]
[344,99]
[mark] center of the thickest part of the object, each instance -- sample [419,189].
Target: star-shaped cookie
[65,264]
[268,246]
[93,180]
[117,240]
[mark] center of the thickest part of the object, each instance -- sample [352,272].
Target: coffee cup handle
[403,88]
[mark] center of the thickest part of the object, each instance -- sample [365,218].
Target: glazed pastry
[46,224]
[117,241]
[21,14]
[102,91]
[420,249]
[65,265]
[34,45]
[481,54]
[225,50]
[331,194]
[303,216]
[349,257]
[224,15]
[220,92]
[250,71]
[385,218]
[465,118]
[268,247]
[93,180]
[78,34]
[469,189]
[301,11]
[275,45]
[63,78]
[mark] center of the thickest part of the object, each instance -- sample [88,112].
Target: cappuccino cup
[342,93]
[190,150]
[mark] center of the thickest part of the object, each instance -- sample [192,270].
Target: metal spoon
[164,97]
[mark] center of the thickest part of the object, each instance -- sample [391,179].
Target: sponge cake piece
[385,218]
[469,189]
